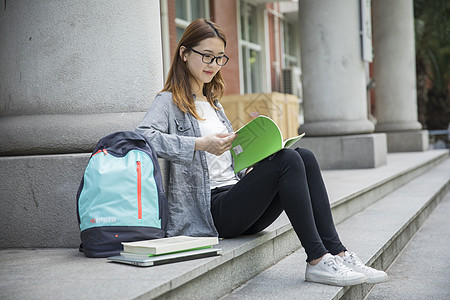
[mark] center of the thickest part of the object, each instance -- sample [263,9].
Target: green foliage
[432,26]
[432,30]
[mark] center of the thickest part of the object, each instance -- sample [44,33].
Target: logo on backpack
[103,220]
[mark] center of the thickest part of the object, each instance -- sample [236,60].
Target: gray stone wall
[71,72]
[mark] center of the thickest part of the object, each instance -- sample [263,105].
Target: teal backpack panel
[119,191]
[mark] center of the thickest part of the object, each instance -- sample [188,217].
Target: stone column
[71,72]
[334,87]
[395,76]
[74,71]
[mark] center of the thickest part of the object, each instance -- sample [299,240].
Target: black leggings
[289,180]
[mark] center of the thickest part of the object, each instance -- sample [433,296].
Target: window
[187,11]
[291,48]
[251,48]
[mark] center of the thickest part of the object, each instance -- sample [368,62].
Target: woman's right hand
[215,144]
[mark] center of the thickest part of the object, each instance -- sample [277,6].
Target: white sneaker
[354,262]
[332,271]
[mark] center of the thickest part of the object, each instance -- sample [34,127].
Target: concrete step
[377,234]
[351,191]
[421,270]
[65,273]
[47,216]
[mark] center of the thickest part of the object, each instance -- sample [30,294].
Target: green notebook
[257,140]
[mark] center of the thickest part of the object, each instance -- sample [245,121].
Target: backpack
[121,196]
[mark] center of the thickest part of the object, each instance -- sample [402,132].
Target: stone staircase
[377,234]
[376,212]
[421,271]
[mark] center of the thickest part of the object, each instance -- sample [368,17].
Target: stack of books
[167,250]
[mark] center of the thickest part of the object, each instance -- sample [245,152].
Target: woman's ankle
[316,261]
[341,254]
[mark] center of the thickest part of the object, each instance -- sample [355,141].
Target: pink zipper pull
[105,151]
[139,188]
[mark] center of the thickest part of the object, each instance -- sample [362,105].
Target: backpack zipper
[101,150]
[139,186]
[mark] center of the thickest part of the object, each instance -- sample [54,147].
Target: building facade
[73,72]
[262,39]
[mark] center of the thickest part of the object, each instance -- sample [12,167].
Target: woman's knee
[308,157]
[288,155]
[288,158]
[306,154]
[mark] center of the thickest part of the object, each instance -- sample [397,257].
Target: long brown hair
[178,79]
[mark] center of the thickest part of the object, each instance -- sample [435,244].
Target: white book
[169,245]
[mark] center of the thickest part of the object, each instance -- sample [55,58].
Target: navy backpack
[121,196]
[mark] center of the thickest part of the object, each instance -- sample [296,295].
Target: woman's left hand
[215,144]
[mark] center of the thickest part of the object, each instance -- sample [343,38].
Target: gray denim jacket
[172,134]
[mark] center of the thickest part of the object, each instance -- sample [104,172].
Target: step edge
[226,257]
[381,257]
[426,165]
[381,189]
[216,291]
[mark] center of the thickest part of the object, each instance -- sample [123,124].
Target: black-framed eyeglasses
[209,58]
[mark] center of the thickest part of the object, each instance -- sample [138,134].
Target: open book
[257,140]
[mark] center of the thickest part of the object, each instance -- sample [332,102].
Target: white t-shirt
[220,171]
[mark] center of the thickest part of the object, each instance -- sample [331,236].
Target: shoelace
[338,265]
[355,260]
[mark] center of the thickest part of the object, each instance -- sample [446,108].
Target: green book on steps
[169,245]
[135,255]
[257,140]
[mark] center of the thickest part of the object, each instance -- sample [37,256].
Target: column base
[348,151]
[397,126]
[38,205]
[407,141]
[60,134]
[337,127]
